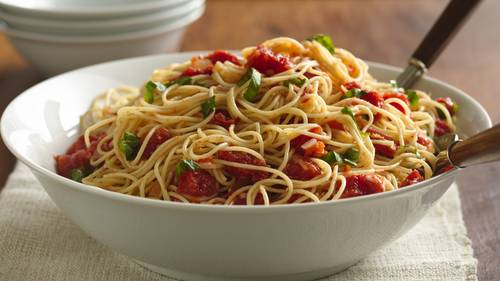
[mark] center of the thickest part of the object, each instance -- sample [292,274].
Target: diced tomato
[316,150]
[199,65]
[445,169]
[301,168]
[335,125]
[243,175]
[80,143]
[267,62]
[77,156]
[77,160]
[384,150]
[400,96]
[222,56]
[413,177]
[441,128]
[448,103]
[222,118]
[423,140]
[351,85]
[159,136]
[259,200]
[197,185]
[374,98]
[191,71]
[376,135]
[357,185]
[208,160]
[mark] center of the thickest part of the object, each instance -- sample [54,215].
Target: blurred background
[385,31]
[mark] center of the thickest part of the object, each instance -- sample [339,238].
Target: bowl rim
[147,202]
[79,11]
[165,16]
[105,38]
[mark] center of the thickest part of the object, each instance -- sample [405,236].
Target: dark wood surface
[386,31]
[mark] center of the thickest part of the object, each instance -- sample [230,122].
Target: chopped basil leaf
[324,40]
[208,107]
[151,88]
[354,93]
[294,81]
[185,165]
[129,144]
[77,175]
[347,111]
[413,98]
[332,157]
[183,80]
[253,87]
[351,156]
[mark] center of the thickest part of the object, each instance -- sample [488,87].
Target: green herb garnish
[354,93]
[185,165]
[294,81]
[394,84]
[208,107]
[351,157]
[324,40]
[129,145]
[253,87]
[332,157]
[347,111]
[77,175]
[413,98]
[151,88]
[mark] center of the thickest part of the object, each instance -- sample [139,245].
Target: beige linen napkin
[37,242]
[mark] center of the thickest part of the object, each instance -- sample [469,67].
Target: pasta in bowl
[289,122]
[219,241]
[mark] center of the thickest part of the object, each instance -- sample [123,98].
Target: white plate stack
[59,35]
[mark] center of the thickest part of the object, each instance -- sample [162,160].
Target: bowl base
[191,276]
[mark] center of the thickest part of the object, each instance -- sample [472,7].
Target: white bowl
[52,54]
[72,28]
[203,242]
[85,9]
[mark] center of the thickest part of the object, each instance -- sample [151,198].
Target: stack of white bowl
[59,35]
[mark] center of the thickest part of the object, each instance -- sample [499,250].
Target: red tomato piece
[80,143]
[301,168]
[448,103]
[198,185]
[351,85]
[413,177]
[397,96]
[384,150]
[222,118]
[317,150]
[243,175]
[77,156]
[259,200]
[445,169]
[222,56]
[441,128]
[335,125]
[267,62]
[191,71]
[159,136]
[374,98]
[357,185]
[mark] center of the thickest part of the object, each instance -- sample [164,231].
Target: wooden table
[386,31]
